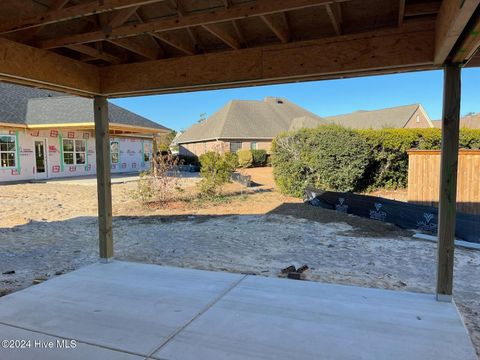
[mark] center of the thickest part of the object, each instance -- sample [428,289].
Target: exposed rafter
[315,59]
[155,42]
[178,7]
[334,12]
[279,25]
[95,53]
[469,45]
[240,11]
[421,9]
[451,21]
[71,12]
[238,30]
[223,35]
[121,16]
[401,12]
[134,46]
[180,44]
[130,44]
[56,5]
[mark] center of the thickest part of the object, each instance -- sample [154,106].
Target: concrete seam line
[69,338]
[200,313]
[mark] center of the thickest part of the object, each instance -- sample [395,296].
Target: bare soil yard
[50,228]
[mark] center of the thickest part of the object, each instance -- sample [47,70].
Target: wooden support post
[104,184]
[448,182]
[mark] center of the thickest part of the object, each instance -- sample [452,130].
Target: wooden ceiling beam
[56,5]
[238,30]
[279,25]
[36,67]
[179,44]
[334,12]
[419,9]
[121,16]
[452,19]
[342,56]
[469,45]
[131,45]
[154,40]
[235,12]
[177,6]
[95,53]
[401,12]
[222,35]
[71,12]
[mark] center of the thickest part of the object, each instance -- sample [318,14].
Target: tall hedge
[388,167]
[328,157]
[333,158]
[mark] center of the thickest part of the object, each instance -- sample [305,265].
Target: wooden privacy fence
[424,179]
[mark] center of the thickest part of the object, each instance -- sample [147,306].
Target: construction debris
[294,273]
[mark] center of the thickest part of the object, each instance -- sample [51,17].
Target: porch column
[104,185]
[448,181]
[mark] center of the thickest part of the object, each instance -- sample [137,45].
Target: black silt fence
[405,215]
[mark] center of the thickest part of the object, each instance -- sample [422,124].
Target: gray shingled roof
[244,119]
[470,121]
[25,105]
[395,117]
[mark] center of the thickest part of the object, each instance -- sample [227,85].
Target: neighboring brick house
[245,124]
[468,121]
[45,134]
[252,124]
[407,116]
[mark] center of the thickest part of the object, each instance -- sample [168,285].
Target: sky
[324,98]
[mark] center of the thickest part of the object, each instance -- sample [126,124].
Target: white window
[7,151]
[74,152]
[418,118]
[114,152]
[253,145]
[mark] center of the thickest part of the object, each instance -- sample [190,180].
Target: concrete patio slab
[37,346]
[265,318]
[125,306]
[121,310]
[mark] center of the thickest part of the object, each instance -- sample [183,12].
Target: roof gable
[395,117]
[244,119]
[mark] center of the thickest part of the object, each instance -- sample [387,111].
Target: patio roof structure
[117,48]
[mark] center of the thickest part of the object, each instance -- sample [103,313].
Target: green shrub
[188,160]
[388,166]
[328,157]
[470,139]
[259,157]
[245,158]
[216,170]
[295,157]
[145,191]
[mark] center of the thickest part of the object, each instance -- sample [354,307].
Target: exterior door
[40,159]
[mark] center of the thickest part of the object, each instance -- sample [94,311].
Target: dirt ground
[47,229]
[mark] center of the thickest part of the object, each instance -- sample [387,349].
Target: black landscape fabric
[405,215]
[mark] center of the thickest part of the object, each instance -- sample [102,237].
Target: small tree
[166,176]
[245,158]
[216,170]
[145,189]
[161,182]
